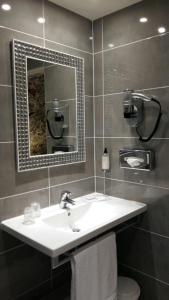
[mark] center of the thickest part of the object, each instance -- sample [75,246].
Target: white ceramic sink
[85,216]
[55,232]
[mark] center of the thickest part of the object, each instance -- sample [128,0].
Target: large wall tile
[156,217]
[6,114]
[97,30]
[21,269]
[148,247]
[114,123]
[6,37]
[98,102]
[7,242]
[99,146]
[98,74]
[66,27]
[59,289]
[38,292]
[117,126]
[88,58]
[124,27]
[150,287]
[78,188]
[14,206]
[100,185]
[12,182]
[23,16]
[138,66]
[77,171]
[89,117]
[159,176]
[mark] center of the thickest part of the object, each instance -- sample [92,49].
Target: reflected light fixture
[41,20]
[161,30]
[111,45]
[6,6]
[143,20]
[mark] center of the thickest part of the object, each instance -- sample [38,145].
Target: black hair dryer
[133,105]
[133,109]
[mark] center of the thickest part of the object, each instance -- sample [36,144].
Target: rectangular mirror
[52,107]
[49,98]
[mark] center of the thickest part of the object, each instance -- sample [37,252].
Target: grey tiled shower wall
[24,272]
[130,54]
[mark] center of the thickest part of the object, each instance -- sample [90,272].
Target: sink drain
[75,229]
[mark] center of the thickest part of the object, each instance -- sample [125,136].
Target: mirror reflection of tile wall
[52,107]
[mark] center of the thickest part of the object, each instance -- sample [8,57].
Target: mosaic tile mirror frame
[25,159]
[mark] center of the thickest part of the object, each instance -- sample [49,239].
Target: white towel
[94,271]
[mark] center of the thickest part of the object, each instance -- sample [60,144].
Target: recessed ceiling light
[161,29]
[6,6]
[91,38]
[41,20]
[111,45]
[143,20]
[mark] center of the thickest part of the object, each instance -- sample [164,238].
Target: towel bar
[66,257]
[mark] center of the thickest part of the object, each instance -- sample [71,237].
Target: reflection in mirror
[52,107]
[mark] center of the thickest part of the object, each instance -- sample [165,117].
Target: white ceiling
[94,9]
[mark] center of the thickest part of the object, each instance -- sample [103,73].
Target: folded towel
[94,271]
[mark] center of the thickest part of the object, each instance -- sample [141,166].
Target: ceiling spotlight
[6,6]
[143,20]
[161,30]
[111,45]
[41,20]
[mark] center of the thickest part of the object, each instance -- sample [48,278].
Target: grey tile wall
[130,54]
[72,29]
[150,287]
[124,67]
[24,271]
[124,27]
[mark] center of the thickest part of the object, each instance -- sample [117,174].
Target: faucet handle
[65,195]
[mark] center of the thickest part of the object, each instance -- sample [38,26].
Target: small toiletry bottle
[105,160]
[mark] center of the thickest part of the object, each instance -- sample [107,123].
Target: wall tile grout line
[138,271]
[103,90]
[12,249]
[151,232]
[73,48]
[136,183]
[41,38]
[43,16]
[31,289]
[94,114]
[49,186]
[128,137]
[45,188]
[6,85]
[102,79]
[73,181]
[137,90]
[7,142]
[134,42]
[25,193]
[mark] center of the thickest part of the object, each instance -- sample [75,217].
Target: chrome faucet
[65,200]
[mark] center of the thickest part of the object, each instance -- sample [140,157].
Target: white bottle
[105,160]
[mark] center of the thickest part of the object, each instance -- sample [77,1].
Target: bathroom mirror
[49,99]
